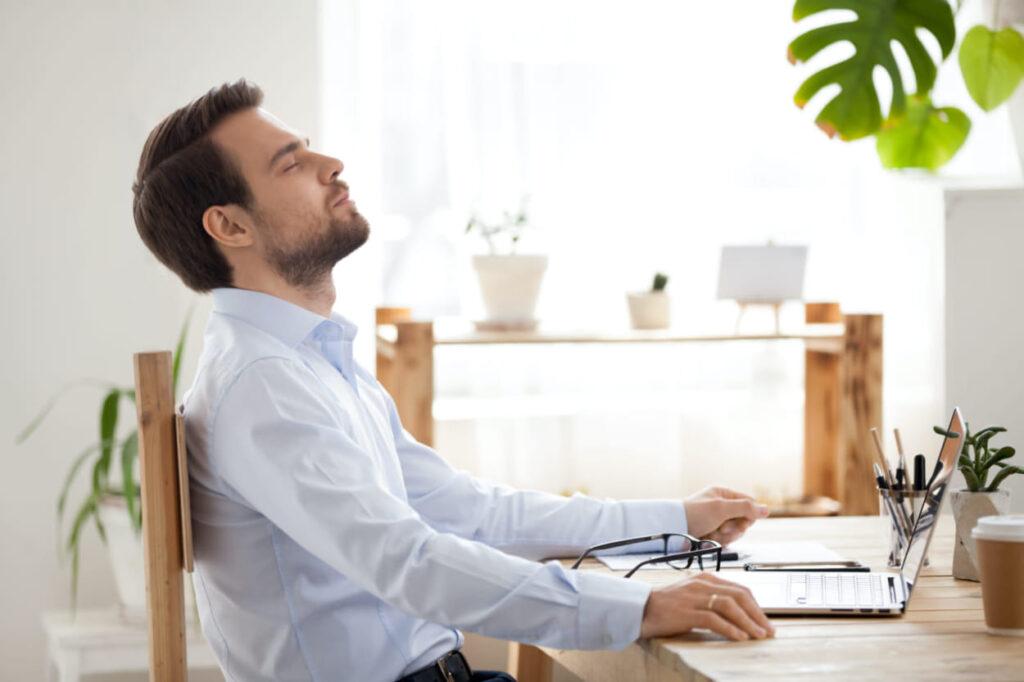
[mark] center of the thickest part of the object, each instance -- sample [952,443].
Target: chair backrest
[166,521]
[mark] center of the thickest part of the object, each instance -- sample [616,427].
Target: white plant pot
[128,562]
[510,286]
[649,310]
[968,507]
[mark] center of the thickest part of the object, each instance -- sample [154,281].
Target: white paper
[748,551]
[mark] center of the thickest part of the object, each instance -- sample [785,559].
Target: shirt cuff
[649,517]
[610,610]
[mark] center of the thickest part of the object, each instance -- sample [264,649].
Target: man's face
[304,221]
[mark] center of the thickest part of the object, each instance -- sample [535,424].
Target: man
[329,544]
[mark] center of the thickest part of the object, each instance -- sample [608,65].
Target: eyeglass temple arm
[695,553]
[621,543]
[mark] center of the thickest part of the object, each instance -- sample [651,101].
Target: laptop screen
[932,505]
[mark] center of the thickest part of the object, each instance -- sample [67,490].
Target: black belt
[452,667]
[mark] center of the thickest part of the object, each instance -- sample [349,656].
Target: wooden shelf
[455,332]
[842,382]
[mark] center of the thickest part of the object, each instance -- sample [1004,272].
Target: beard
[307,263]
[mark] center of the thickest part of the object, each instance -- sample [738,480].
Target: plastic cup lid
[1009,527]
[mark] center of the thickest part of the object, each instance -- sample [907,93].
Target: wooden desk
[842,383]
[941,637]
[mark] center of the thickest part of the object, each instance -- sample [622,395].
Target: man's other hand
[721,514]
[704,601]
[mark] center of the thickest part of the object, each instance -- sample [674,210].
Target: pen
[901,467]
[899,520]
[881,459]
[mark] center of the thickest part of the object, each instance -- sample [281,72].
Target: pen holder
[901,509]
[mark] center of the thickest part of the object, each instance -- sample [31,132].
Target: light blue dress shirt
[330,545]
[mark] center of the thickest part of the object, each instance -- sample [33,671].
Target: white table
[99,641]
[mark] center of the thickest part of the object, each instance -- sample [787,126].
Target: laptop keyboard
[853,590]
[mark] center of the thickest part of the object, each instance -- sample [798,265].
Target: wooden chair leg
[529,664]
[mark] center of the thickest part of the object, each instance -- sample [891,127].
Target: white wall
[985,316]
[81,86]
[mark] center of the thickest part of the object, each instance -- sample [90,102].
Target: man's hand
[704,601]
[721,514]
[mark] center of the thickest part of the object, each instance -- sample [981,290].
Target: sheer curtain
[646,136]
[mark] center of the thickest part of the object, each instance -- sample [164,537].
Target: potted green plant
[650,309]
[509,281]
[915,132]
[113,501]
[977,461]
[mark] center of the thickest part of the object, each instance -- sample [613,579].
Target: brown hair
[181,174]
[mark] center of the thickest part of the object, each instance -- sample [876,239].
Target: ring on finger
[711,601]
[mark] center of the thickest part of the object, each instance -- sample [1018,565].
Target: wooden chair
[166,520]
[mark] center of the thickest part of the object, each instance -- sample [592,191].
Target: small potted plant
[509,281]
[977,461]
[650,309]
[113,502]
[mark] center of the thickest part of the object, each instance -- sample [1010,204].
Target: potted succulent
[509,281]
[977,461]
[650,309]
[113,502]
[914,132]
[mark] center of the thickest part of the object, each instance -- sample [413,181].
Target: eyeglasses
[696,549]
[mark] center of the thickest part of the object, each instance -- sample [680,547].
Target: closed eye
[294,165]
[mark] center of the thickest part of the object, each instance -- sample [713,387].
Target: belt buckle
[443,667]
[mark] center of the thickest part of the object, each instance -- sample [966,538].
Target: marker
[919,472]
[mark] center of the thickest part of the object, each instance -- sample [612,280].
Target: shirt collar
[285,321]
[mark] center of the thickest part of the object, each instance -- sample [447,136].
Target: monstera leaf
[924,136]
[992,63]
[855,112]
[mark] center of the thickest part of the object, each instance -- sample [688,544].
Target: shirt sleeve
[282,446]
[527,523]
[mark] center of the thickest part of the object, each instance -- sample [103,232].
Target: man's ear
[230,226]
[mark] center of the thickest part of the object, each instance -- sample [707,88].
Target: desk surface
[941,637]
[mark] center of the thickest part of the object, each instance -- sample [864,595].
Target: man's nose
[333,167]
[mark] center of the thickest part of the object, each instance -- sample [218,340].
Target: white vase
[649,309]
[124,546]
[510,286]
[968,507]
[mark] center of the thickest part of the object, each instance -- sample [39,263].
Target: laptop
[860,594]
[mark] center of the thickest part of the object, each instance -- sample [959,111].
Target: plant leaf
[51,403]
[855,112]
[108,424]
[992,63]
[88,507]
[1002,475]
[179,349]
[923,137]
[62,499]
[129,454]
[972,480]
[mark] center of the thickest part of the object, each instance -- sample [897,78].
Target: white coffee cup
[1000,552]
